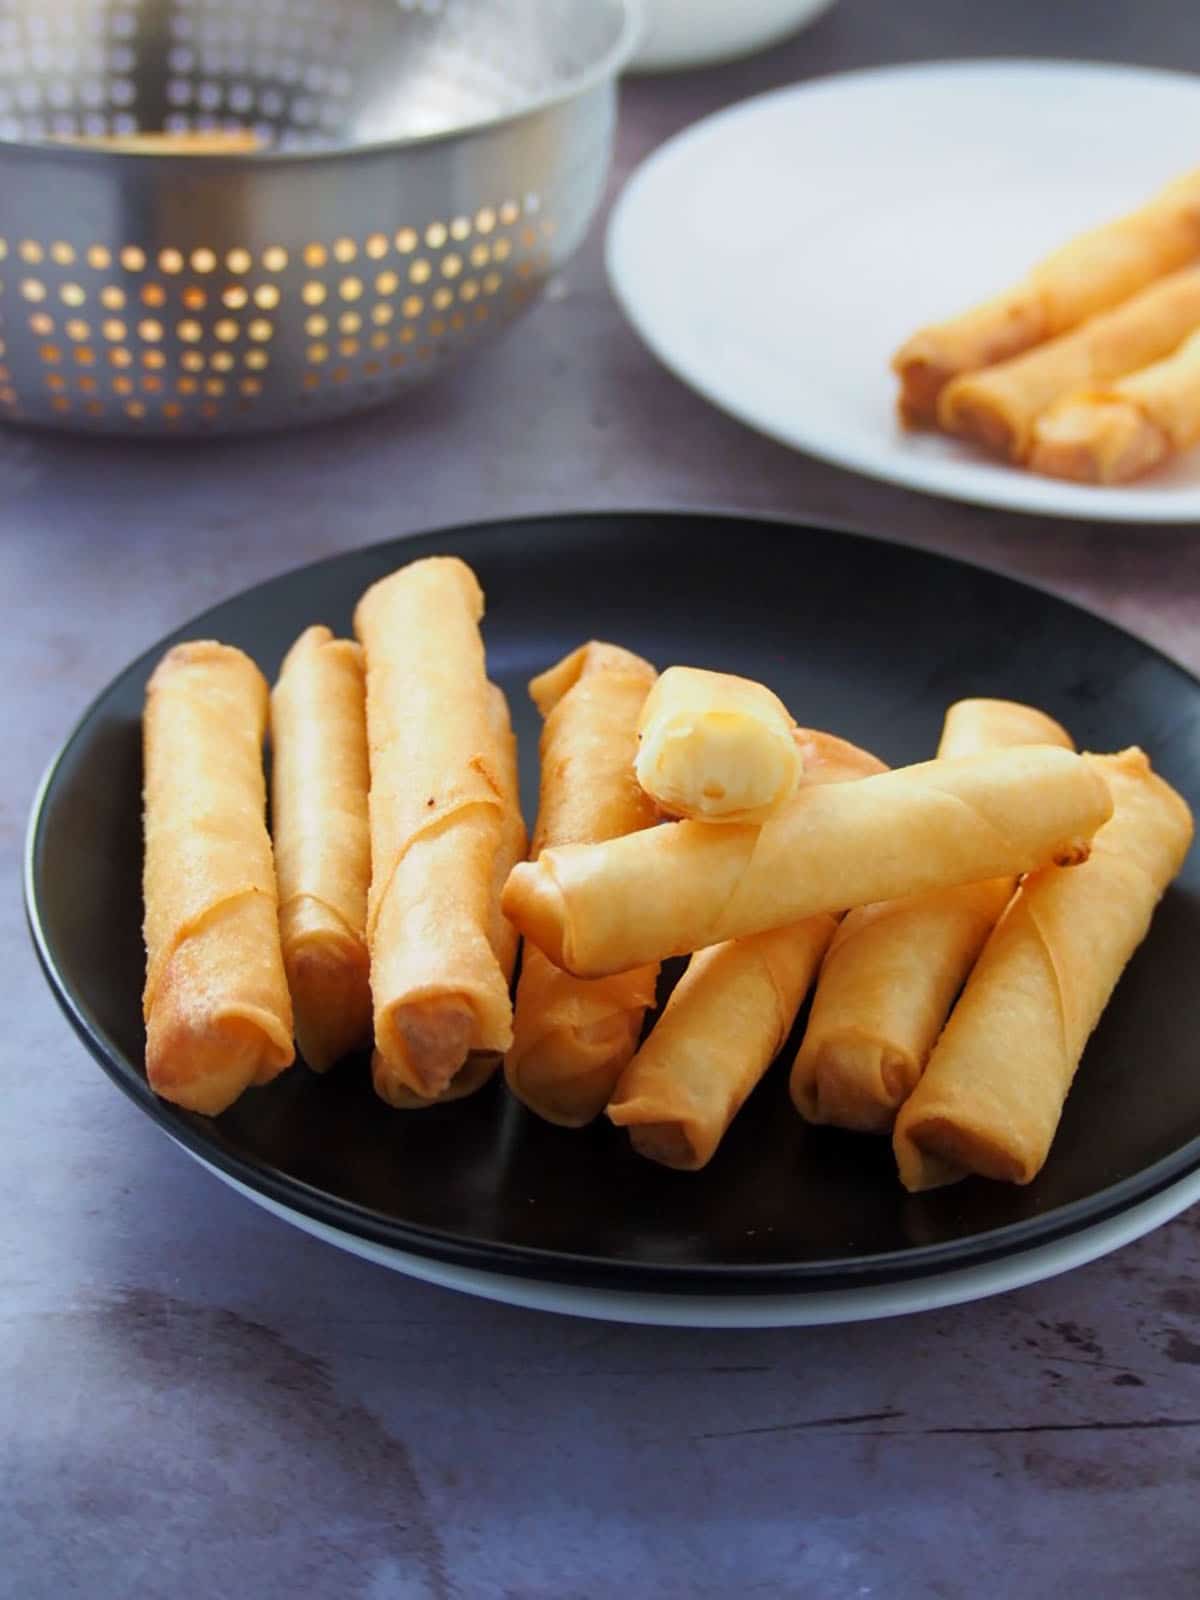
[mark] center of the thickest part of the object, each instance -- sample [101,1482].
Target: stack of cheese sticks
[964,920]
[1089,368]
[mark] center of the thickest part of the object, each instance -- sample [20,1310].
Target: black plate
[869,639]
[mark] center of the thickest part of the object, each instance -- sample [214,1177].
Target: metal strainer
[421,167]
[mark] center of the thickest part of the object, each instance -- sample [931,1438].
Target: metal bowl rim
[606,69]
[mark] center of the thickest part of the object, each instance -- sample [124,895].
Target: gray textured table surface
[195,1399]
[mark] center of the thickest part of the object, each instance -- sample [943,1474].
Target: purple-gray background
[196,1400]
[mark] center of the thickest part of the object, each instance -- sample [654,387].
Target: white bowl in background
[693,33]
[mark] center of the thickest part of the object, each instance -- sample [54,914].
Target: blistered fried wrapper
[216,1005]
[992,1095]
[436,815]
[605,908]
[895,968]
[572,1037]
[319,783]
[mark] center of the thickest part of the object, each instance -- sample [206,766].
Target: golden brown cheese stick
[997,407]
[319,781]
[1119,433]
[993,1092]
[436,813]
[480,1064]
[597,909]
[728,1016]
[724,1024]
[1097,270]
[893,969]
[716,747]
[216,1006]
[571,1037]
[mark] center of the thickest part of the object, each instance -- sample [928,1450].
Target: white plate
[773,256]
[799,1310]
[692,33]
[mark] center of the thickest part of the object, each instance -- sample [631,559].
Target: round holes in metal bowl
[187,323]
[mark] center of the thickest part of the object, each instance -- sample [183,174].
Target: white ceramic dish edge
[803,1309]
[682,34]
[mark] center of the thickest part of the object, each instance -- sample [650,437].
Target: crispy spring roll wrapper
[997,407]
[722,1027]
[590,702]
[729,1014]
[973,727]
[715,747]
[514,839]
[1116,434]
[436,813]
[572,1037]
[1091,273]
[893,969]
[480,1064]
[888,983]
[993,1092]
[828,759]
[597,909]
[319,782]
[216,1005]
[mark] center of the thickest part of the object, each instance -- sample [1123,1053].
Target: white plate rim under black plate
[557,1265]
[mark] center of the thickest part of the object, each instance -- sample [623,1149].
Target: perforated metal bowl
[422,167]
